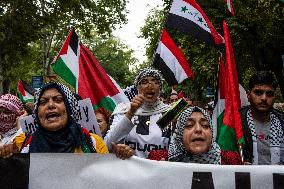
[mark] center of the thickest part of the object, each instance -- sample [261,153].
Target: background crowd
[132,129]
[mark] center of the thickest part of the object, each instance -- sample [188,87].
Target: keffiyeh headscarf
[146,72]
[65,139]
[12,103]
[177,151]
[145,109]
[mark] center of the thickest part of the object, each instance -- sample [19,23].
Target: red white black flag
[170,60]
[188,17]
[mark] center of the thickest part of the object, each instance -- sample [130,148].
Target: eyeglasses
[259,92]
[147,82]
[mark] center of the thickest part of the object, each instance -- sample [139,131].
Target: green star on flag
[200,19]
[184,9]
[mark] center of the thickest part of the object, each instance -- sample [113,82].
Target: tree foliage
[257,30]
[114,56]
[46,23]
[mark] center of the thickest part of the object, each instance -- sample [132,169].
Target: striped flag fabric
[224,135]
[25,92]
[232,116]
[188,17]
[77,66]
[231,96]
[230,6]
[170,60]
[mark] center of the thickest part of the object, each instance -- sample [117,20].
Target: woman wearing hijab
[192,140]
[135,123]
[56,113]
[10,109]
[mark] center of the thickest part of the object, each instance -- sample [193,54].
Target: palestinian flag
[224,135]
[230,6]
[76,65]
[188,17]
[231,96]
[25,92]
[170,60]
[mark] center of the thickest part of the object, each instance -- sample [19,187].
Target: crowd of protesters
[132,129]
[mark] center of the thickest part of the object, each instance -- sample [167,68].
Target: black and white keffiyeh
[146,109]
[148,72]
[177,151]
[70,100]
[65,139]
[275,137]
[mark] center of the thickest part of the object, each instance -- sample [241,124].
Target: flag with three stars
[188,17]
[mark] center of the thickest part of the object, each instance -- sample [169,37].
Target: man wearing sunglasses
[262,125]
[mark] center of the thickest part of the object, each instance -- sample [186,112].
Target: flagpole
[241,153]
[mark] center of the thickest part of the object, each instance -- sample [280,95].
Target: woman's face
[52,111]
[102,123]
[149,87]
[197,134]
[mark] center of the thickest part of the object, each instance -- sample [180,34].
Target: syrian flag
[188,17]
[231,96]
[77,66]
[170,60]
[230,6]
[25,92]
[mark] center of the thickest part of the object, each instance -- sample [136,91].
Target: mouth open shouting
[52,111]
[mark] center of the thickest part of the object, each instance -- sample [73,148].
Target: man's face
[149,87]
[261,98]
[52,111]
[197,135]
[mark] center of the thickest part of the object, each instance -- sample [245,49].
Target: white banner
[87,171]
[87,119]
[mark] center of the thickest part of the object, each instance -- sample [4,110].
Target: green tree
[114,56]
[257,30]
[19,25]
[46,23]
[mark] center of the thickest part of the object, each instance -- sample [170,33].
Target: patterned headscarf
[12,103]
[177,151]
[148,72]
[67,138]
